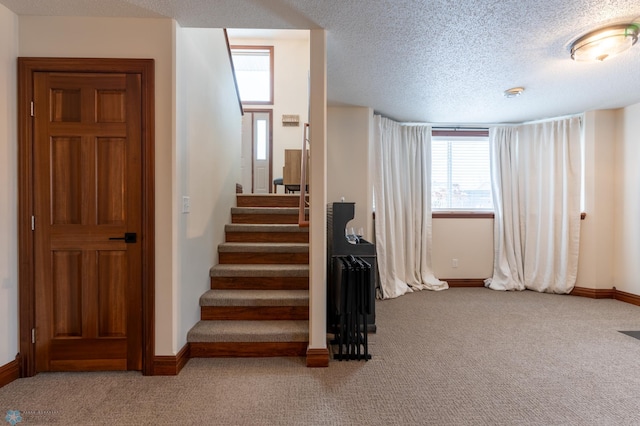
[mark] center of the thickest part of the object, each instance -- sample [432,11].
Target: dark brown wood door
[88,185]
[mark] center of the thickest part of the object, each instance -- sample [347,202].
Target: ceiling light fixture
[604,43]
[513,92]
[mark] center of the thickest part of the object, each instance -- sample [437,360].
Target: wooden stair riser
[259,283]
[247,349]
[267,237]
[247,200]
[254,313]
[263,258]
[256,218]
[256,210]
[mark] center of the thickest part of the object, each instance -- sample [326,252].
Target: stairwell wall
[8,187]
[208,125]
[318,196]
[291,90]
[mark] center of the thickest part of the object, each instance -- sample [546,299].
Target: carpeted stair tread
[249,331]
[258,227]
[241,270]
[263,247]
[255,298]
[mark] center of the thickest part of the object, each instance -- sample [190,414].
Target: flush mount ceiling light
[604,43]
[513,92]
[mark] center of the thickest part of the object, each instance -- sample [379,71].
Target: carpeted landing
[464,356]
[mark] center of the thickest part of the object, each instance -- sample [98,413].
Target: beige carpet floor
[457,357]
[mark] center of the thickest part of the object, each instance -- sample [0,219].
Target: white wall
[128,38]
[291,92]
[595,264]
[9,346]
[626,223]
[318,196]
[470,241]
[207,162]
[348,141]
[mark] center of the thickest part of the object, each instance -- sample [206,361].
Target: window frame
[461,213]
[270,49]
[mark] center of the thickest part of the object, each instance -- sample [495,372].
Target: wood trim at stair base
[593,293]
[464,282]
[280,200]
[247,349]
[171,365]
[265,219]
[260,283]
[263,258]
[623,296]
[267,237]
[10,372]
[317,357]
[254,313]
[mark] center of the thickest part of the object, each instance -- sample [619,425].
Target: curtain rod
[543,120]
[460,128]
[562,117]
[483,126]
[444,126]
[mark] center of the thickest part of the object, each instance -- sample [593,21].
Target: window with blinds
[460,172]
[253,66]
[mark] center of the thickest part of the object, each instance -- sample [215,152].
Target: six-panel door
[87,179]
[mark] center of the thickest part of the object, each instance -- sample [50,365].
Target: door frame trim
[270,111]
[26,259]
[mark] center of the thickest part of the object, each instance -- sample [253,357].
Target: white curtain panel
[536,172]
[402,180]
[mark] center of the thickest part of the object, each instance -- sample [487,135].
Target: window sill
[472,215]
[469,215]
[452,214]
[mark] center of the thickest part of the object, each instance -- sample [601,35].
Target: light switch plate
[186,204]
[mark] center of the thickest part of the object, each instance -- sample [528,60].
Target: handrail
[302,219]
[233,70]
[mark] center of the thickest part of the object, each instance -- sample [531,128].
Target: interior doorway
[86,228]
[257,151]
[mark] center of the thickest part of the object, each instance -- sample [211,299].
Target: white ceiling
[439,61]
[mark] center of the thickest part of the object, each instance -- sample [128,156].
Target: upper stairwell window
[253,66]
[460,171]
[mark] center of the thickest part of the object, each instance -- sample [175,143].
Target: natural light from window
[253,74]
[261,142]
[460,174]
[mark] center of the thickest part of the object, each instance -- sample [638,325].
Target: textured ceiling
[440,61]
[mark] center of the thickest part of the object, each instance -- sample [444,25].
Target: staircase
[258,305]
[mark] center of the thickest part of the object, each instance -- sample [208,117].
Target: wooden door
[261,152]
[87,175]
[257,149]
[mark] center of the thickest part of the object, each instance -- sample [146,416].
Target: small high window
[253,66]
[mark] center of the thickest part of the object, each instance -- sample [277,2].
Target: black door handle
[129,237]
